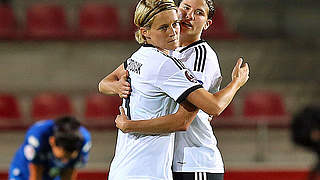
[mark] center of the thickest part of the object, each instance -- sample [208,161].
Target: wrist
[127,127]
[236,82]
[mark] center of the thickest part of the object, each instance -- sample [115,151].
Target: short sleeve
[35,139]
[212,69]
[176,81]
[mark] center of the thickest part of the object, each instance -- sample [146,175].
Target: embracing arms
[212,104]
[116,83]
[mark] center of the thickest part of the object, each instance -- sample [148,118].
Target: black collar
[192,44]
[148,45]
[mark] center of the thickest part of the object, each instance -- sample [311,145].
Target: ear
[52,141]
[208,24]
[145,32]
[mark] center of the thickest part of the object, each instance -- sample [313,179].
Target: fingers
[239,63]
[123,80]
[124,86]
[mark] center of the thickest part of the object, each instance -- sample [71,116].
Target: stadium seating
[101,110]
[46,21]
[99,21]
[262,110]
[50,105]
[8,23]
[220,28]
[265,107]
[10,115]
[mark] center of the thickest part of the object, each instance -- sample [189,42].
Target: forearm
[180,121]
[69,174]
[35,171]
[225,96]
[108,85]
[214,104]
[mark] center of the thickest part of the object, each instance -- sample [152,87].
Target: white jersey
[157,82]
[196,149]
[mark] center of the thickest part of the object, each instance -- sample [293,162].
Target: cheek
[201,22]
[181,13]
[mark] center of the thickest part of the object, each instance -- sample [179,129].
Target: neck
[186,40]
[165,51]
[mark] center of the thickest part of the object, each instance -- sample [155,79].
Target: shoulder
[85,133]
[155,60]
[87,140]
[40,129]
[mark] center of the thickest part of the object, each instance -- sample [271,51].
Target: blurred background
[54,53]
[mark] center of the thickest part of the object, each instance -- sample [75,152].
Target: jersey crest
[190,76]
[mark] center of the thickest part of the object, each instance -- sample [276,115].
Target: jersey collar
[192,44]
[148,45]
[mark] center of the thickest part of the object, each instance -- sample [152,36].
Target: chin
[173,46]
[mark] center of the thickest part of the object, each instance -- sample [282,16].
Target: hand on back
[123,85]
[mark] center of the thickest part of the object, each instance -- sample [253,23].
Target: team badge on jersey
[190,76]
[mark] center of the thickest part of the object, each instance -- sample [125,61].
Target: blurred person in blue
[52,150]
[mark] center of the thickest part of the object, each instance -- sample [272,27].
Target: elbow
[183,126]
[100,86]
[216,111]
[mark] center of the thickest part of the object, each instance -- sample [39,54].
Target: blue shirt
[37,150]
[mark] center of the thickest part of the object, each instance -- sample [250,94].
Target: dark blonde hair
[145,13]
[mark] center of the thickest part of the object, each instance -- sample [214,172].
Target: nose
[190,15]
[173,31]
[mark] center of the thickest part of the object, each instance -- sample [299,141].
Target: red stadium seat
[101,110]
[46,21]
[99,21]
[265,107]
[50,105]
[219,28]
[10,115]
[8,23]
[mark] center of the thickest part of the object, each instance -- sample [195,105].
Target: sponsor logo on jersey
[190,76]
[134,66]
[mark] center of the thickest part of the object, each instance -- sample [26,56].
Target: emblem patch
[190,76]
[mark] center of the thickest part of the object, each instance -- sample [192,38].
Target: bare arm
[69,174]
[36,172]
[214,104]
[180,121]
[116,83]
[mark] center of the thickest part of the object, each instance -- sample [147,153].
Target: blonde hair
[145,13]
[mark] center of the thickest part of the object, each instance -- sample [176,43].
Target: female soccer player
[156,80]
